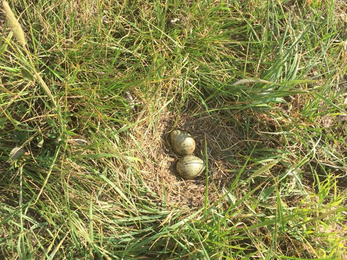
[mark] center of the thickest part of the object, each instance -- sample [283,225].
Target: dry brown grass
[14,24]
[159,160]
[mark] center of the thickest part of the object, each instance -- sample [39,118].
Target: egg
[190,166]
[182,142]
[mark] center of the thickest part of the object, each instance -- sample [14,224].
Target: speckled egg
[182,142]
[190,166]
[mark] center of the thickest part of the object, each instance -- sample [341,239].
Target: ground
[88,100]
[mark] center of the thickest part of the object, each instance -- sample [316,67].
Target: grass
[261,85]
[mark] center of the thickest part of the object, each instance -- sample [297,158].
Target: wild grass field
[90,89]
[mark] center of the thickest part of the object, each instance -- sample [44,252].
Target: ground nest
[214,140]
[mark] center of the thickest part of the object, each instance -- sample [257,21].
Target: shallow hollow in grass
[216,141]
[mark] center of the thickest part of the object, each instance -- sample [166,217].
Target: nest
[215,140]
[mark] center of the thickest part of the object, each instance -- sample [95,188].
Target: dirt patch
[215,140]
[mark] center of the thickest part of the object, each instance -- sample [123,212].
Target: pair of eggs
[189,166]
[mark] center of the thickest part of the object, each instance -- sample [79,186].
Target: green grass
[260,84]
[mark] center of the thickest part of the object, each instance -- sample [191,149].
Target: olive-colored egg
[190,166]
[182,142]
